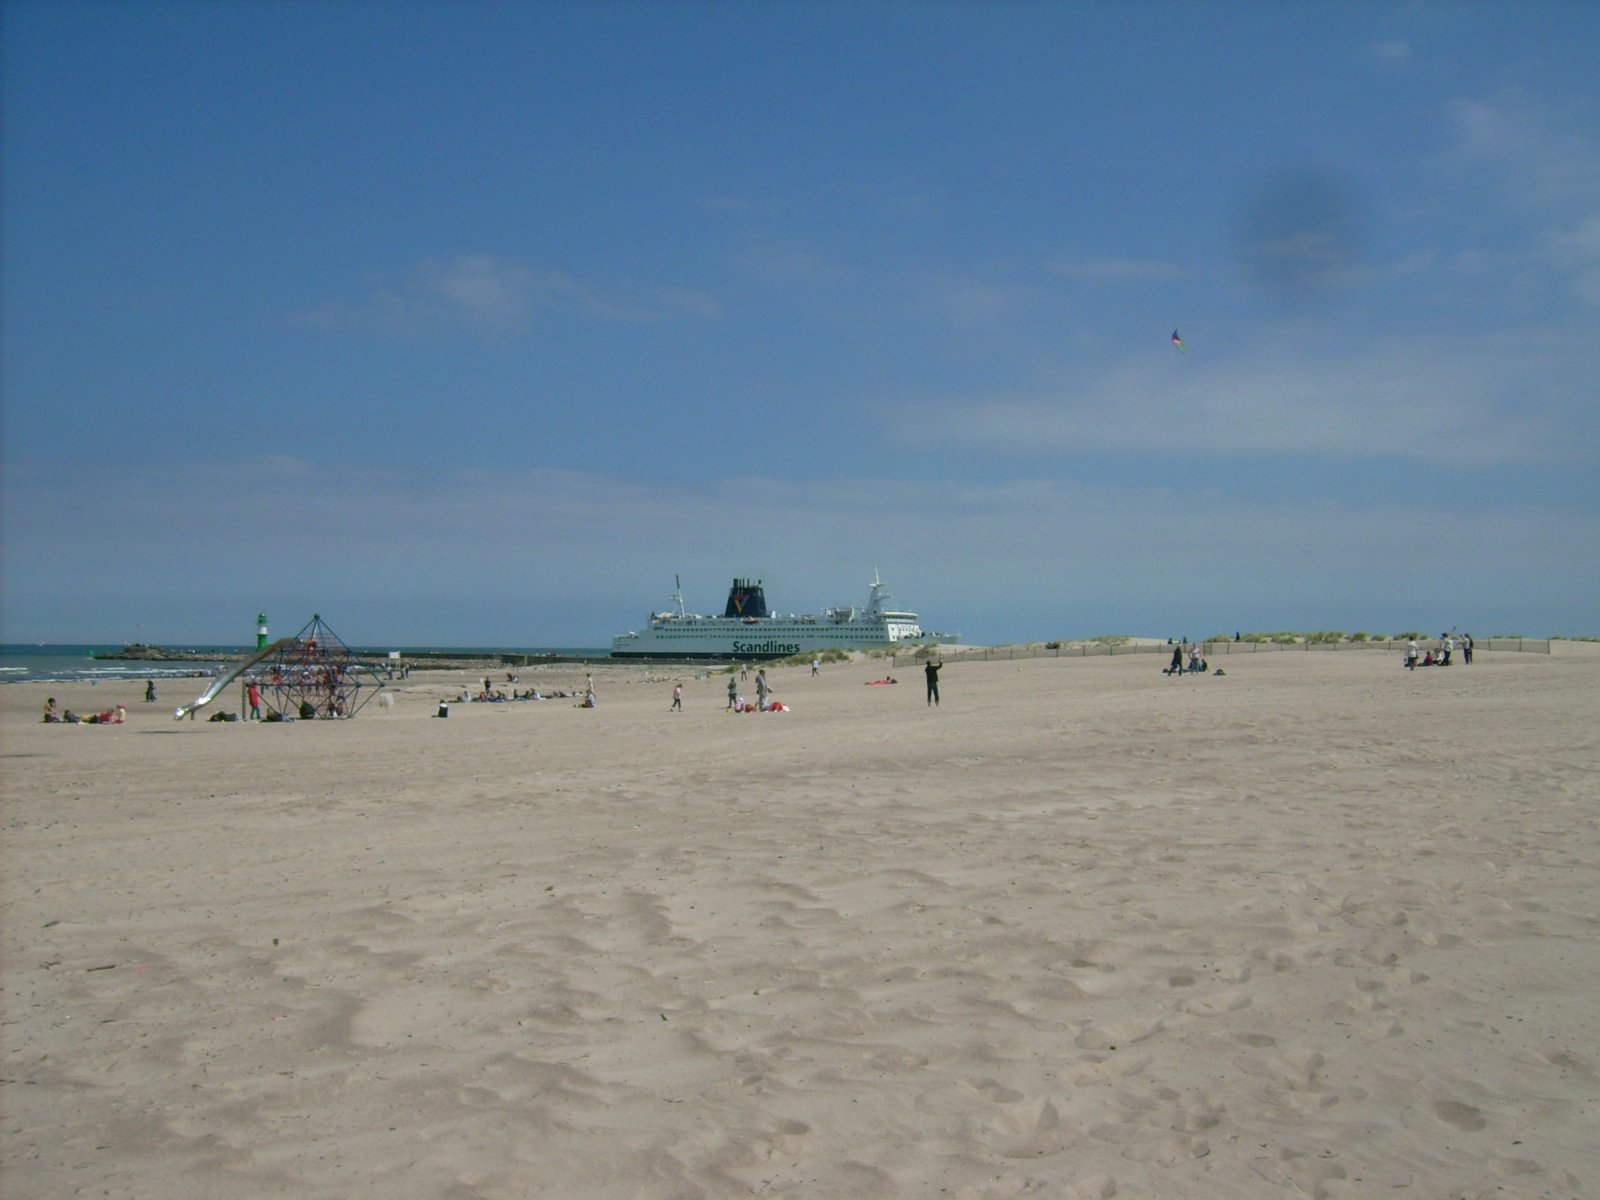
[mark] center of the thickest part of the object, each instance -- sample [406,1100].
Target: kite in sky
[1178,342]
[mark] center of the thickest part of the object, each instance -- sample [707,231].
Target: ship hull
[711,643]
[748,631]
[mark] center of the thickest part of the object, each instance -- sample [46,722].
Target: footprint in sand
[1568,1061]
[1029,1129]
[1216,1003]
[785,1139]
[1116,1033]
[1462,1116]
[993,1091]
[1308,1177]
[1092,1187]
[896,1058]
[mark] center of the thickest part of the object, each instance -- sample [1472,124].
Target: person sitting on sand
[588,700]
[52,715]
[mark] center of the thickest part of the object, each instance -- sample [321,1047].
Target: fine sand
[1316,927]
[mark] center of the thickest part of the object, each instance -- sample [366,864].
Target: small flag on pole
[1178,342]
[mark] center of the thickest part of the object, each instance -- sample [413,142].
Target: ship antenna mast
[677,593]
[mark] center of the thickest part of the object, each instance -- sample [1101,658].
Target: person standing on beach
[149,691]
[1466,649]
[1176,667]
[931,670]
[253,696]
[733,692]
[763,688]
[677,697]
[1411,655]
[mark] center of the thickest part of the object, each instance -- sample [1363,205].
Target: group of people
[498,696]
[490,694]
[736,702]
[110,716]
[1440,655]
[764,701]
[1195,664]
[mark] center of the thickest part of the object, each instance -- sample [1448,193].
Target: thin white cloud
[485,295]
[1536,157]
[1577,251]
[1391,51]
[971,303]
[742,204]
[788,262]
[1550,170]
[1117,270]
[1437,401]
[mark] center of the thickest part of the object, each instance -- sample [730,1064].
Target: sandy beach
[1317,927]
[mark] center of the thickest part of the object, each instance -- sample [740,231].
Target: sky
[479,324]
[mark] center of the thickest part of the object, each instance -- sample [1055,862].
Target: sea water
[76,663]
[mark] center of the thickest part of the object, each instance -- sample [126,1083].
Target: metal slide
[227,677]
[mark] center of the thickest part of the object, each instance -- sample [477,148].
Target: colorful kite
[1178,342]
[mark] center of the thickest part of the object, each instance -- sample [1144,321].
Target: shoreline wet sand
[1316,927]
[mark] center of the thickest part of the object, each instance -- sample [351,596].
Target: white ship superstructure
[746,629]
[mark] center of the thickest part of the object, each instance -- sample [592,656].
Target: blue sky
[478,323]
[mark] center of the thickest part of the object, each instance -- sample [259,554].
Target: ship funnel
[746,600]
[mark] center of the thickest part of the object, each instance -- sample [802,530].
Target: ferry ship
[747,630]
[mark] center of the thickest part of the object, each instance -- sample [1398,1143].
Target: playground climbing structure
[311,675]
[315,674]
